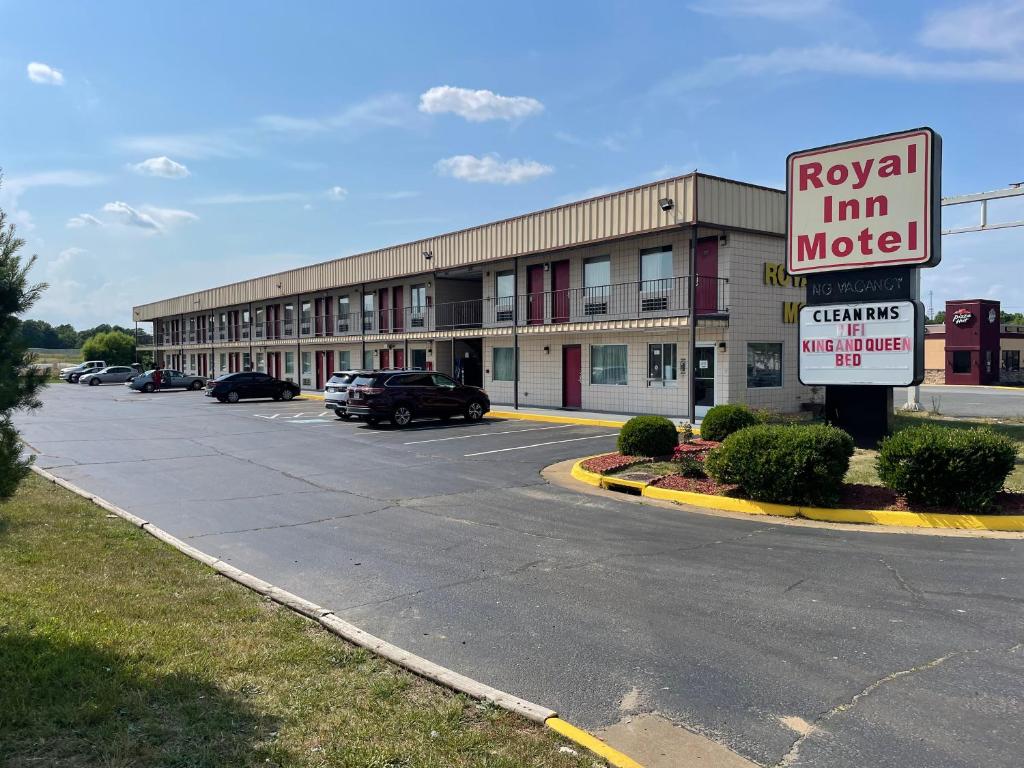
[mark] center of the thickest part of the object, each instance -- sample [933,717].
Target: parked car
[112,374]
[400,397]
[336,391]
[169,379]
[232,387]
[73,372]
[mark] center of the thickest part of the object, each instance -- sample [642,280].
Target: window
[343,313]
[764,365]
[655,278]
[305,317]
[1011,359]
[608,364]
[962,361]
[260,323]
[289,319]
[419,358]
[597,275]
[368,360]
[504,364]
[260,364]
[223,361]
[246,362]
[368,313]
[411,380]
[307,363]
[289,364]
[418,304]
[504,290]
[440,380]
[661,365]
[344,360]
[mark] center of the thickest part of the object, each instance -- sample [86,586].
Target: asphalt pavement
[791,645]
[974,402]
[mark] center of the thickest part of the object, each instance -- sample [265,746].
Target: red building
[973,346]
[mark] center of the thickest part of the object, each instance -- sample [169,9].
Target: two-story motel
[592,298]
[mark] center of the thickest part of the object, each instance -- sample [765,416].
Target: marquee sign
[869,343]
[874,202]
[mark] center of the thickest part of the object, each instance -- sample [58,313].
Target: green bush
[647,436]
[112,347]
[940,466]
[722,420]
[786,464]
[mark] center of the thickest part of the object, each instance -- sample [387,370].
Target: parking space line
[485,434]
[538,445]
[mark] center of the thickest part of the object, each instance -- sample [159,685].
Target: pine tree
[19,382]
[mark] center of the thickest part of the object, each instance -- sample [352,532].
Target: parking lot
[444,538]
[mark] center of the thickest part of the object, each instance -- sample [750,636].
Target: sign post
[862,218]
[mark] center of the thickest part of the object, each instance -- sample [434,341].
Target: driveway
[986,402]
[794,645]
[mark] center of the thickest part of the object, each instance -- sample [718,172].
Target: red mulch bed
[613,462]
[695,485]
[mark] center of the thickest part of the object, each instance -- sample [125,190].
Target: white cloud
[491,169]
[337,193]
[83,220]
[14,186]
[991,26]
[766,9]
[44,74]
[837,60]
[384,111]
[242,198]
[148,217]
[64,259]
[161,166]
[478,106]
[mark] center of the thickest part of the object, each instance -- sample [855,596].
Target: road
[987,402]
[897,650]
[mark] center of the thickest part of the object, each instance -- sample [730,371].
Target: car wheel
[233,397]
[474,411]
[373,421]
[221,399]
[287,394]
[73,379]
[401,415]
[148,387]
[94,382]
[344,417]
[196,386]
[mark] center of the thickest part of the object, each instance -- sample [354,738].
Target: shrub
[113,347]
[647,436]
[787,464]
[722,420]
[939,466]
[692,466]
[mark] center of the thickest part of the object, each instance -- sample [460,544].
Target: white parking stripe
[538,445]
[485,434]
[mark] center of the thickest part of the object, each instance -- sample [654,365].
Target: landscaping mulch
[695,485]
[613,462]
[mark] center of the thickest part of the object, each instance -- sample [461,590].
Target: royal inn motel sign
[868,209]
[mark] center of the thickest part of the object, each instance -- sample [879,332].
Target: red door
[319,370]
[399,357]
[398,316]
[382,302]
[318,317]
[535,299]
[385,359]
[329,367]
[707,276]
[560,292]
[329,317]
[572,373]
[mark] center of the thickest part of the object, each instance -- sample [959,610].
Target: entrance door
[535,299]
[385,359]
[399,358]
[560,292]
[319,370]
[328,363]
[384,312]
[398,321]
[704,379]
[707,276]
[572,376]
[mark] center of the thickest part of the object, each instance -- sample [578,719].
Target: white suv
[336,391]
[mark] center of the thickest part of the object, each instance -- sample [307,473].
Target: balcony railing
[635,300]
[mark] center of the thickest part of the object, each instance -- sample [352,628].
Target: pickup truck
[74,372]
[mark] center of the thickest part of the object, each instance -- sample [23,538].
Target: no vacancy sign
[871,343]
[873,202]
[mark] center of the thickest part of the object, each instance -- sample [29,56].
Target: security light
[428,255]
[666,204]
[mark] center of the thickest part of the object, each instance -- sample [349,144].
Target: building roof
[716,202]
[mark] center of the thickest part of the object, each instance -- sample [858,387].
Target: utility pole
[982,198]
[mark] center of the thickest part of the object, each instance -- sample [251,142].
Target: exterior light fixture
[723,239]
[428,255]
[666,204]
[547,350]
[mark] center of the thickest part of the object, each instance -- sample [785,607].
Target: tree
[39,334]
[113,347]
[67,336]
[940,317]
[19,383]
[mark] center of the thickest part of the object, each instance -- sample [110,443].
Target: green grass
[116,650]
[659,468]
[862,465]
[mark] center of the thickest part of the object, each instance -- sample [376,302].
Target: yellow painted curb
[883,517]
[591,742]
[551,419]
[310,396]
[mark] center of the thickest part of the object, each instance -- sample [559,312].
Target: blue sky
[153,149]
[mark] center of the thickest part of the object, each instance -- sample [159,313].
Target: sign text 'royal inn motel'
[866,203]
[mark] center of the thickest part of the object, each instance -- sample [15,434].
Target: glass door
[704,379]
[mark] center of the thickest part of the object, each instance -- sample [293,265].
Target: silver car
[169,379]
[336,391]
[112,374]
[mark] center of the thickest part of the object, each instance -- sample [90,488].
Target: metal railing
[632,300]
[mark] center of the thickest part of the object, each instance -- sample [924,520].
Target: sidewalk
[563,416]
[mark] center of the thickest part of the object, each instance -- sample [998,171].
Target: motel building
[972,346]
[591,296]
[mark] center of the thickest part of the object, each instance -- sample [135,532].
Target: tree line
[40,334]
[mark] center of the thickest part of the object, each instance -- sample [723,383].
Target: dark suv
[400,397]
[232,387]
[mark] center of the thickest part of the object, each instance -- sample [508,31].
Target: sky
[153,149]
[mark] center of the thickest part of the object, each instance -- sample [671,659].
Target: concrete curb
[353,634]
[881,517]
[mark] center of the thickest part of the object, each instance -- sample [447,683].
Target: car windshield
[363,381]
[226,377]
[340,378]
